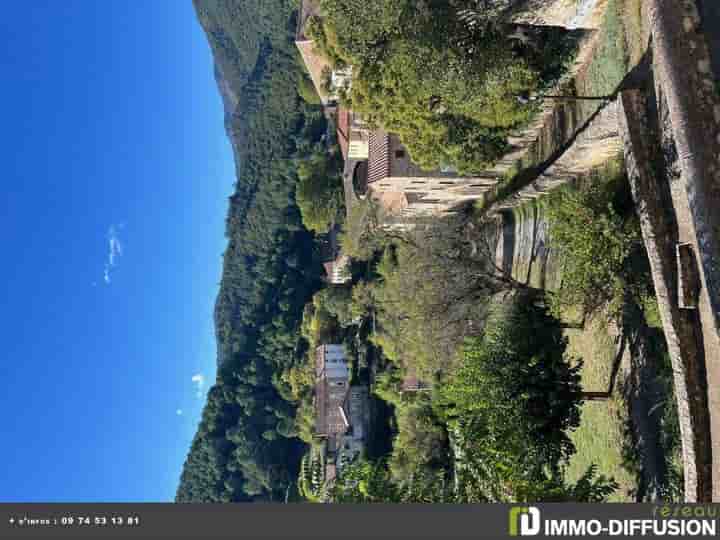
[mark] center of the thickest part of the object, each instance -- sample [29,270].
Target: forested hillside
[245,447]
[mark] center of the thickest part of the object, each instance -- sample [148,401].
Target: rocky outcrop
[229,97]
[558,13]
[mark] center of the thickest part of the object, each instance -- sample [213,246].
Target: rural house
[341,410]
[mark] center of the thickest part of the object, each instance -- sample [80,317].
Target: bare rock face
[229,97]
[557,13]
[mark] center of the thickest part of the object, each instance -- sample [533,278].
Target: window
[399,154]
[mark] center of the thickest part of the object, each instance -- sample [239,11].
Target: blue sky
[115,159]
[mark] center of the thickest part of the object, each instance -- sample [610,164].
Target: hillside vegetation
[245,447]
[478,395]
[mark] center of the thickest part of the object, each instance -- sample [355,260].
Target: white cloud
[115,251]
[199,382]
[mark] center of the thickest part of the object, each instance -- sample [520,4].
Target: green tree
[594,242]
[371,482]
[267,266]
[446,80]
[319,192]
[433,290]
[307,91]
[511,404]
[363,233]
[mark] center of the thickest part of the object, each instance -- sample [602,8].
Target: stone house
[331,388]
[391,175]
[331,419]
[341,410]
[353,135]
[377,163]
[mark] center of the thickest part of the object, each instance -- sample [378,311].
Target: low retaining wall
[682,331]
[595,145]
[682,65]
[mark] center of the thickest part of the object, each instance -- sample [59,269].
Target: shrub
[511,404]
[307,91]
[593,241]
[651,311]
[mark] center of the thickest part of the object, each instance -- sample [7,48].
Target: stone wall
[661,232]
[683,66]
[595,145]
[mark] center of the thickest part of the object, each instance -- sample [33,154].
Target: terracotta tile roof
[378,156]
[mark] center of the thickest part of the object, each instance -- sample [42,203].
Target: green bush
[319,193]
[515,390]
[594,242]
[511,406]
[651,311]
[306,90]
[449,90]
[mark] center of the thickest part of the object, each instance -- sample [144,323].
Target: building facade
[391,171]
[331,388]
[341,410]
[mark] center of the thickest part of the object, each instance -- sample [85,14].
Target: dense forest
[245,448]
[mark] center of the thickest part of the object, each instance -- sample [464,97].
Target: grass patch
[634,29]
[601,435]
[611,60]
